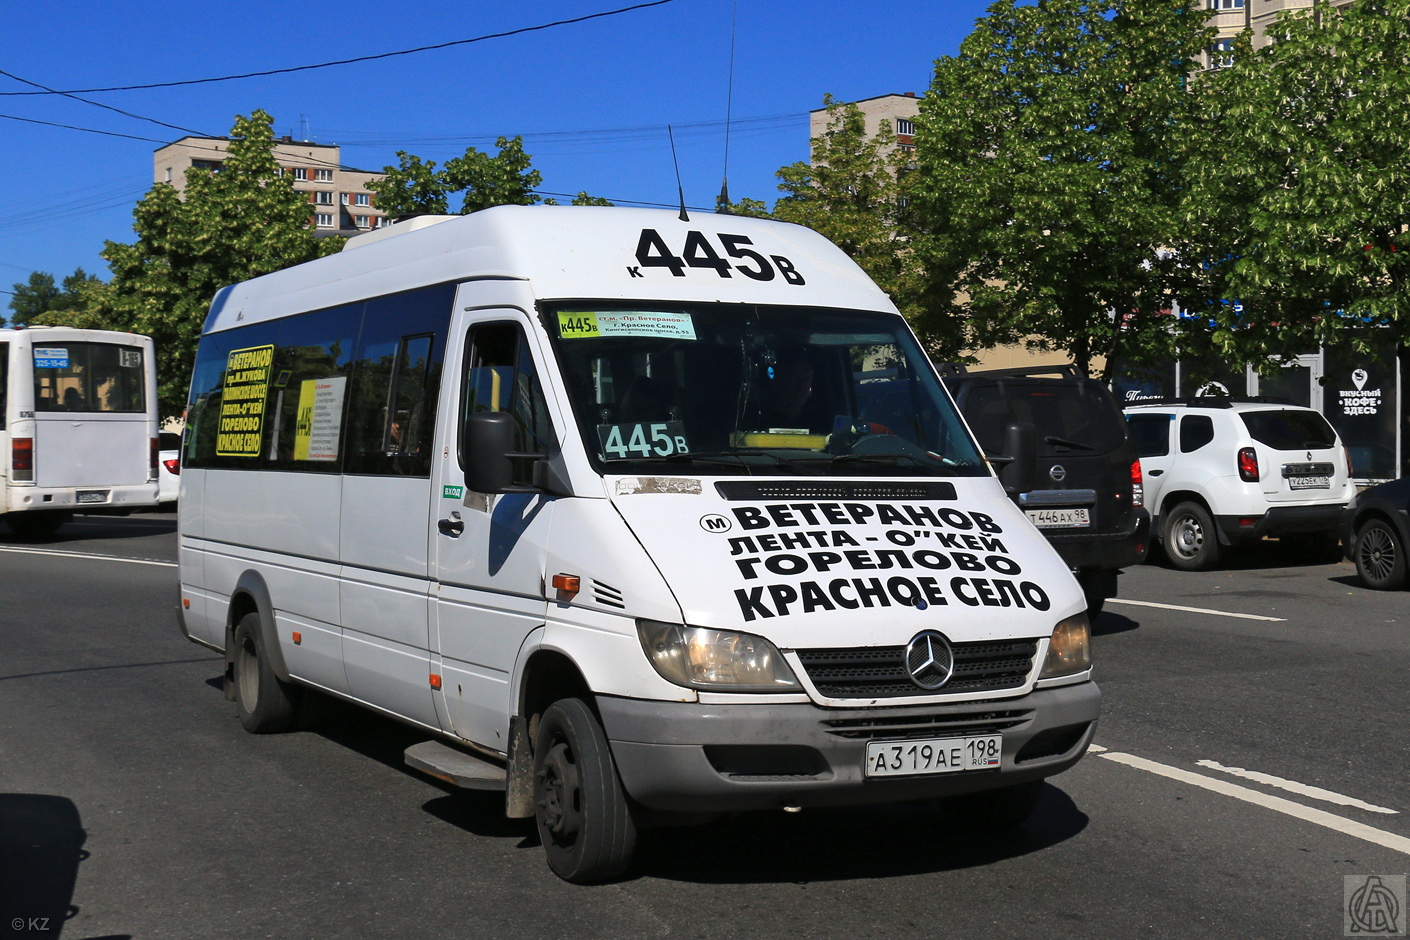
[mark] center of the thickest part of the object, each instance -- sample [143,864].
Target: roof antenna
[679,189]
[722,203]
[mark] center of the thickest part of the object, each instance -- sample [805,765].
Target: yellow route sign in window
[242,402]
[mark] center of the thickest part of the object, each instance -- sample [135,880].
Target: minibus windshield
[759,390]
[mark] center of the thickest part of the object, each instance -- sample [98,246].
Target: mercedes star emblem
[929,660]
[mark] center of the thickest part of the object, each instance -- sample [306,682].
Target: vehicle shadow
[95,527]
[41,848]
[1109,624]
[843,844]
[1261,555]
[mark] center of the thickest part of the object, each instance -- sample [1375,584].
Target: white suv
[1221,471]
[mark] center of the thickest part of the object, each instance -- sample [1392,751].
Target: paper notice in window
[320,423]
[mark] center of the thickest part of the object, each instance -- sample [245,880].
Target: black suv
[1088,498]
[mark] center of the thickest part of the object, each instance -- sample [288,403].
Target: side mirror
[1019,473]
[485,445]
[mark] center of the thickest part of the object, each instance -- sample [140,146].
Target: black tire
[1004,808]
[1190,541]
[1097,585]
[267,704]
[39,524]
[581,811]
[1380,556]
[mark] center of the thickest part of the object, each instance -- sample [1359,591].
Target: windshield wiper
[730,459]
[1064,442]
[833,460]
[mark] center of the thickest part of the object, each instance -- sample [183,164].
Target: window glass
[500,376]
[745,389]
[1150,434]
[4,384]
[1195,432]
[397,381]
[272,395]
[1289,430]
[1071,418]
[350,388]
[89,377]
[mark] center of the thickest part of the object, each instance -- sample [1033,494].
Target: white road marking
[130,561]
[1195,610]
[1292,786]
[1318,817]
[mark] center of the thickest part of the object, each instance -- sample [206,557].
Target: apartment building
[1232,17]
[900,110]
[339,201]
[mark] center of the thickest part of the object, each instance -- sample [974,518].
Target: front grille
[880,671]
[928,724]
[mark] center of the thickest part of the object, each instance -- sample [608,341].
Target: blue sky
[592,100]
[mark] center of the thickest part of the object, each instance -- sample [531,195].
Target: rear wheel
[581,811]
[267,704]
[39,524]
[1380,556]
[1190,541]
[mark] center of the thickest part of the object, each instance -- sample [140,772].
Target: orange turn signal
[567,583]
[298,638]
[435,681]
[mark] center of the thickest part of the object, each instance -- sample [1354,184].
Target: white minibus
[78,425]
[638,518]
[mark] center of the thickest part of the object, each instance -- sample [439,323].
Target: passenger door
[489,550]
[1151,433]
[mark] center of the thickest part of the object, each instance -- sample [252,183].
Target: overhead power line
[105,107]
[365,58]
[71,127]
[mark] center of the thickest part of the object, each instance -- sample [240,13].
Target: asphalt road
[133,805]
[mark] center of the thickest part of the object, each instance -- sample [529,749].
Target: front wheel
[1191,543]
[581,811]
[1380,556]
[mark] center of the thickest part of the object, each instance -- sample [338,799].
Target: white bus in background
[599,499]
[78,425]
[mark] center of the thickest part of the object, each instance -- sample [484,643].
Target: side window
[500,376]
[272,396]
[1150,433]
[4,383]
[1195,432]
[396,382]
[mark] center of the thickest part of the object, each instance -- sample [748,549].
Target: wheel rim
[1187,536]
[560,800]
[247,674]
[1377,553]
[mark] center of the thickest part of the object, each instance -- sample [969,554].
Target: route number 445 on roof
[653,252]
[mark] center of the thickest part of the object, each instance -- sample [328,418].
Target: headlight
[1070,649]
[719,660]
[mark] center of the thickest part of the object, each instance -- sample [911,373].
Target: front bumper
[688,757]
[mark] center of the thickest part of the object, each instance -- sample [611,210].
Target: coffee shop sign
[1360,400]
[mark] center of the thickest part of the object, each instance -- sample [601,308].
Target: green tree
[40,295]
[854,192]
[417,187]
[240,222]
[1051,179]
[1302,187]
